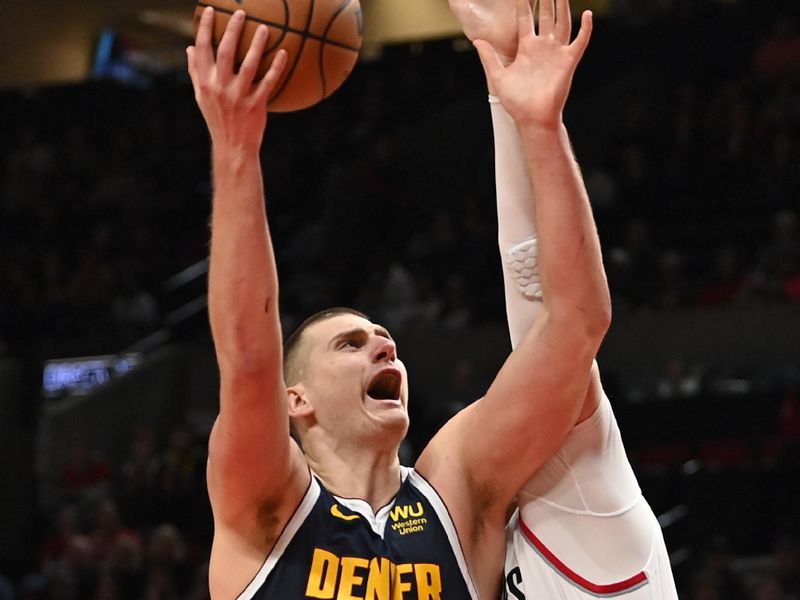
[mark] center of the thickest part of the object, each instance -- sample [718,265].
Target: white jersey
[583,529]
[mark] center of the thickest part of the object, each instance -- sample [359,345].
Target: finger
[584,35]
[563,30]
[267,84]
[191,56]
[524,19]
[547,17]
[226,52]
[490,60]
[190,61]
[253,57]
[203,41]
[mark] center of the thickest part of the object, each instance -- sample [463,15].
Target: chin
[393,423]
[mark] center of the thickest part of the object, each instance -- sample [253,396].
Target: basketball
[322,39]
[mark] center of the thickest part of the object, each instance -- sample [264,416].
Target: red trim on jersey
[595,588]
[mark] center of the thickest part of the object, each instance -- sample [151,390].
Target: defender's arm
[500,441]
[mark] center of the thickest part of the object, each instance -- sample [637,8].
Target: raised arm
[252,462]
[545,380]
[495,21]
[538,396]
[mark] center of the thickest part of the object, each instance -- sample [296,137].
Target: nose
[385,350]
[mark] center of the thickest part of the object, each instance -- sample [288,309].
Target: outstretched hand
[534,87]
[233,104]
[494,21]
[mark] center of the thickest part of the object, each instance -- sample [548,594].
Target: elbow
[240,360]
[603,313]
[597,319]
[596,311]
[245,345]
[242,364]
[599,323]
[586,323]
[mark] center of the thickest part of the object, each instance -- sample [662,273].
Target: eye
[351,343]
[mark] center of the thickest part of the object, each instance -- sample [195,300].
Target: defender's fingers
[489,59]
[203,39]
[226,52]
[563,30]
[524,19]
[584,35]
[267,84]
[253,57]
[190,61]
[547,17]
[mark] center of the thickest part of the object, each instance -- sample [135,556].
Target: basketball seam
[335,15]
[286,29]
[283,30]
[304,36]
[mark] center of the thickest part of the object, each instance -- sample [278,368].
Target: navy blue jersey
[337,549]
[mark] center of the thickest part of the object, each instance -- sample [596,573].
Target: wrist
[539,127]
[506,61]
[224,152]
[233,162]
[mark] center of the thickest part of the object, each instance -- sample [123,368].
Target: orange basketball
[322,39]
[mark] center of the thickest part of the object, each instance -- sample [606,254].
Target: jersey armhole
[443,515]
[287,535]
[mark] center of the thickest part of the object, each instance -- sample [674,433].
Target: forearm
[243,283]
[570,262]
[516,218]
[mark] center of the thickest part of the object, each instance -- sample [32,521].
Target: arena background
[686,120]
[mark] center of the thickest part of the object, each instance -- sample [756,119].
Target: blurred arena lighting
[68,377]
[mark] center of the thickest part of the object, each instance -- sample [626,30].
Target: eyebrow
[360,331]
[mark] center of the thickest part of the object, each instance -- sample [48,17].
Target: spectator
[138,481]
[779,259]
[109,534]
[779,54]
[182,479]
[55,547]
[85,473]
[769,588]
[717,578]
[725,284]
[169,573]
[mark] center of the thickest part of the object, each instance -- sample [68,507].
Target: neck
[352,471]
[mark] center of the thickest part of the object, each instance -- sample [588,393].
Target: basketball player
[583,529]
[336,516]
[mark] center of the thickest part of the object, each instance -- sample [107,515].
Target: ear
[299,405]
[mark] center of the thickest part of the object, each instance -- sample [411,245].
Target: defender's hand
[233,104]
[535,86]
[494,21]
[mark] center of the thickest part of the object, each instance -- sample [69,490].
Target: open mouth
[385,386]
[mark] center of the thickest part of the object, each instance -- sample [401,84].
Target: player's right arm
[256,474]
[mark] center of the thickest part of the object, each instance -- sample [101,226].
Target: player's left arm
[499,442]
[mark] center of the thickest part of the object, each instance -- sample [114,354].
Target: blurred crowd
[382,198]
[691,169]
[138,528]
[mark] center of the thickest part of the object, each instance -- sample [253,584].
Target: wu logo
[406,511]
